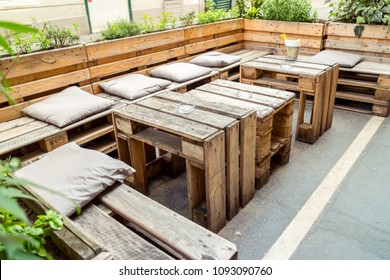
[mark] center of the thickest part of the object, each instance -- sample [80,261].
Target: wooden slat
[127,64]
[101,50]
[345,29]
[280,94]
[203,30]
[15,123]
[269,66]
[218,42]
[47,84]
[115,237]
[90,134]
[274,38]
[174,230]
[369,67]
[215,182]
[233,93]
[300,28]
[360,46]
[45,61]
[202,116]
[187,128]
[360,97]
[26,139]
[21,130]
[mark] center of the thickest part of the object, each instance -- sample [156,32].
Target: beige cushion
[215,59]
[345,59]
[68,106]
[134,86]
[76,173]
[180,72]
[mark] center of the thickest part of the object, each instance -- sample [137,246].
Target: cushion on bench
[74,175]
[180,72]
[68,106]
[215,59]
[134,86]
[345,59]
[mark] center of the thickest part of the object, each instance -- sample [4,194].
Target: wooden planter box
[265,34]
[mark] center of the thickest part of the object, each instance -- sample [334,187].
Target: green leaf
[12,207]
[17,27]
[360,20]
[358,30]
[15,193]
[4,44]
[386,9]
[377,16]
[4,91]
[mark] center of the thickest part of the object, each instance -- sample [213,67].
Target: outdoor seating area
[216,102]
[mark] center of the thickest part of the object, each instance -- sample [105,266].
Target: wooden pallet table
[274,109]
[201,145]
[240,165]
[311,79]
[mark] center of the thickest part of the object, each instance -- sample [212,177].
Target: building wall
[61,12]
[67,12]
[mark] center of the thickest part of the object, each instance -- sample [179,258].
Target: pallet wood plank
[212,29]
[214,43]
[51,61]
[47,84]
[102,70]
[176,125]
[300,28]
[157,220]
[117,47]
[120,241]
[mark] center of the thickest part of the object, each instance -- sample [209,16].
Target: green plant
[53,36]
[167,21]
[209,5]
[19,239]
[212,16]
[288,10]
[23,43]
[188,18]
[148,24]
[360,12]
[120,28]
[241,6]
[252,12]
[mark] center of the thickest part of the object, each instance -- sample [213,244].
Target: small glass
[185,108]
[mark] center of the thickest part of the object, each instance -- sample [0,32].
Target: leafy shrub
[216,15]
[23,42]
[188,19]
[360,11]
[288,10]
[53,36]
[209,5]
[120,28]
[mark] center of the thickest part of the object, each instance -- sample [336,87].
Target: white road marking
[292,236]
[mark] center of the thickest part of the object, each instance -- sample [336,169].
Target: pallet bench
[365,87]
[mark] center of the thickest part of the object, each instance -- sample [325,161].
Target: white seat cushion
[180,72]
[74,175]
[215,59]
[345,59]
[134,86]
[68,106]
